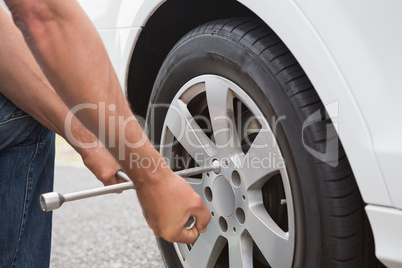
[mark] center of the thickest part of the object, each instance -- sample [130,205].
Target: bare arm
[23,82]
[82,73]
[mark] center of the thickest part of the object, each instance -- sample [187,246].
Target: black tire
[331,225]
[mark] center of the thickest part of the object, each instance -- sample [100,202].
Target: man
[72,57]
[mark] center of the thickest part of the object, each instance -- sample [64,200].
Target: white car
[299,102]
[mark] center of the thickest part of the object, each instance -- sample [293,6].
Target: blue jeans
[26,171]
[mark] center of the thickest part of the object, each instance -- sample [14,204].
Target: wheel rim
[252,224]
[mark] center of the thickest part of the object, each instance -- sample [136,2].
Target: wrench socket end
[51,201]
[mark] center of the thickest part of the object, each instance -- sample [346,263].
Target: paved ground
[107,231]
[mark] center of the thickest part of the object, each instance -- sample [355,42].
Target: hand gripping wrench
[54,200]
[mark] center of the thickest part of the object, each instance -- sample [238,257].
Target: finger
[203,217]
[188,236]
[110,181]
[202,226]
[112,178]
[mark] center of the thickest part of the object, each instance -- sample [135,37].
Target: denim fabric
[26,171]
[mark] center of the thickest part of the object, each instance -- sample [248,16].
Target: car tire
[324,221]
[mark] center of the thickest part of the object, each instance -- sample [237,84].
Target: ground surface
[106,231]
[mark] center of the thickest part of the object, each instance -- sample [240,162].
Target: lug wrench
[54,200]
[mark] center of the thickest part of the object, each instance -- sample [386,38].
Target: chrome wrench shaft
[54,200]
[199,170]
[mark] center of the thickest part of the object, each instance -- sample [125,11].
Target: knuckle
[104,174]
[156,232]
[155,229]
[168,236]
[198,201]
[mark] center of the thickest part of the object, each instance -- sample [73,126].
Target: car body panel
[345,61]
[364,44]
[119,44]
[106,14]
[386,224]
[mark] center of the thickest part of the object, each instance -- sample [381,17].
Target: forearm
[23,82]
[70,53]
[80,77]
[25,85]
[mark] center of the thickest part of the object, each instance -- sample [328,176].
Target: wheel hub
[224,196]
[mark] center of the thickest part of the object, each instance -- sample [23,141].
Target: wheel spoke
[206,250]
[220,106]
[272,241]
[261,159]
[241,251]
[189,134]
[198,187]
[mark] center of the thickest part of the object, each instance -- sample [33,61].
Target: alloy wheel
[250,199]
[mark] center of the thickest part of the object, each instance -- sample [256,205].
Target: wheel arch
[167,24]
[168,21]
